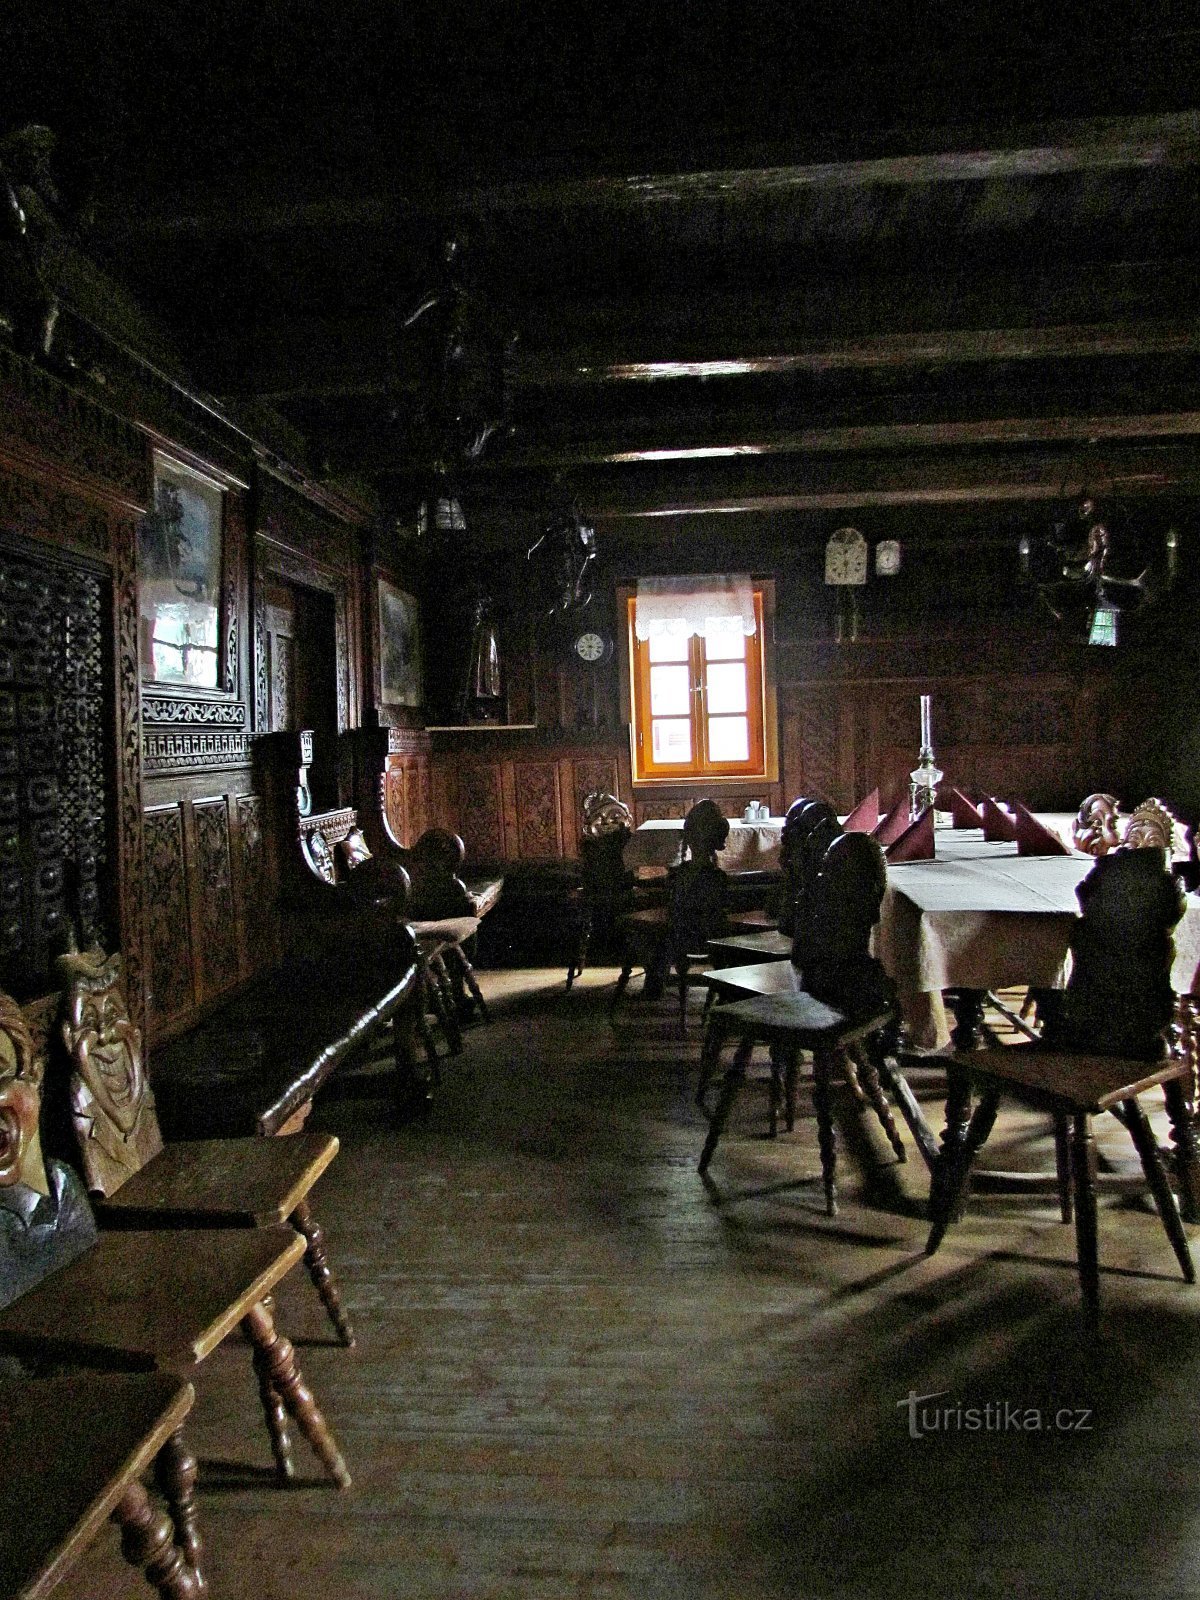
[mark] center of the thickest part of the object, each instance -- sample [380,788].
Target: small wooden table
[75,1450]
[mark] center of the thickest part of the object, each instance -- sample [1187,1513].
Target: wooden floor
[582,1373]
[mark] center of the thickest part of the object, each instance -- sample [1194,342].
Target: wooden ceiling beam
[375,199]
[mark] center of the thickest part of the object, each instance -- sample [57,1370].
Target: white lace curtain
[712,604]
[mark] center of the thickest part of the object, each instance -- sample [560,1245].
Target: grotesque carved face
[18,1131]
[1096,827]
[322,856]
[356,848]
[106,1049]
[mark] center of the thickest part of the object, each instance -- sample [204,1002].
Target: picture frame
[180,580]
[400,653]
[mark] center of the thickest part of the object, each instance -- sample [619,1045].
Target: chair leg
[443,1004]
[953,1167]
[776,1054]
[279,1360]
[1062,1163]
[320,1272]
[275,1415]
[710,1054]
[823,1062]
[176,1471]
[910,1109]
[1187,1157]
[466,972]
[148,1542]
[735,1076]
[1083,1168]
[681,975]
[791,1071]
[1156,1177]
[869,1076]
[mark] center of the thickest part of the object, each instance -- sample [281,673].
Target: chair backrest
[1119,999]
[698,910]
[705,832]
[813,827]
[1095,830]
[833,950]
[45,1220]
[112,1104]
[604,814]
[433,864]
[1151,825]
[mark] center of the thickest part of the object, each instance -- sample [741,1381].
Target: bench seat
[257,1061]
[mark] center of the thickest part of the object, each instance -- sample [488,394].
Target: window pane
[663,647]
[727,687]
[669,691]
[671,741]
[729,738]
[725,646]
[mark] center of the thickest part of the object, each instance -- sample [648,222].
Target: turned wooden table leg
[176,1471]
[148,1542]
[823,1059]
[279,1360]
[320,1272]
[967,1035]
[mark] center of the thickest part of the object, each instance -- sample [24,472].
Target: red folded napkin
[965,812]
[916,842]
[865,815]
[997,824]
[1034,838]
[888,829]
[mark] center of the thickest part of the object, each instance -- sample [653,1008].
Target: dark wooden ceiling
[760,264]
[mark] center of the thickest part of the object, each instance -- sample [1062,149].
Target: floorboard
[581,1372]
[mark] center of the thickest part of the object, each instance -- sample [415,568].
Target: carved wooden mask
[111,1102]
[20,1103]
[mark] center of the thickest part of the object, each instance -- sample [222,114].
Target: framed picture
[400,656]
[179,572]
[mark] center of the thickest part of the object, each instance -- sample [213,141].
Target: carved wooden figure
[1151,825]
[1096,829]
[140,1183]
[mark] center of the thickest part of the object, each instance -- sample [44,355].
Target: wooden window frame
[634,659]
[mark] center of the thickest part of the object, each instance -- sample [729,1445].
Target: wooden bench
[254,1063]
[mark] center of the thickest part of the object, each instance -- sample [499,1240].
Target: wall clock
[887,558]
[846,557]
[592,648]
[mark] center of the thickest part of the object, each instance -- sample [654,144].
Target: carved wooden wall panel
[213,923]
[251,881]
[539,810]
[478,813]
[169,962]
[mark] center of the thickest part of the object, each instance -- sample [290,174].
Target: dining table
[979,917]
[751,846]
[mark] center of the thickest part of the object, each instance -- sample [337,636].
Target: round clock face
[590,647]
[846,557]
[887,558]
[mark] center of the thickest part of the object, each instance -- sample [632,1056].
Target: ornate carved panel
[818,738]
[281,651]
[63,426]
[392,791]
[212,888]
[193,713]
[168,936]
[481,812]
[539,809]
[54,785]
[192,751]
[273,560]
[129,765]
[254,890]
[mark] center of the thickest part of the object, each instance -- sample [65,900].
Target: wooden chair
[606,888]
[150,1301]
[840,1007]
[137,1182]
[674,938]
[83,1443]
[1103,1045]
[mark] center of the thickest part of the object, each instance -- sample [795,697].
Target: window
[699,703]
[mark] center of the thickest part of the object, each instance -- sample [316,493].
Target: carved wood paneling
[212,895]
[596,773]
[130,861]
[394,808]
[169,965]
[187,751]
[479,812]
[539,810]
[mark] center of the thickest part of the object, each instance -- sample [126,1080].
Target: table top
[751,847]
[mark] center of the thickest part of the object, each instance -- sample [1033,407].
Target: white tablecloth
[752,846]
[982,917]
